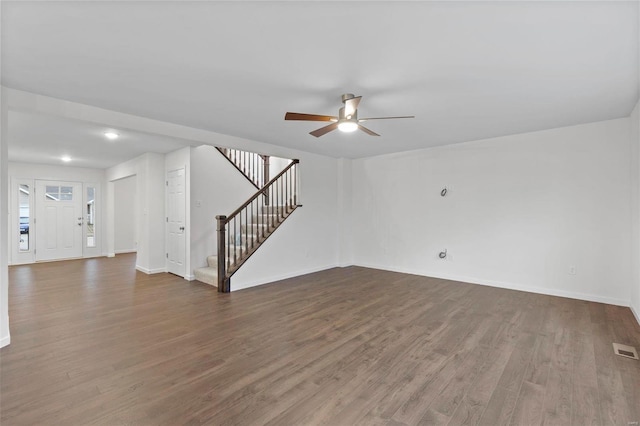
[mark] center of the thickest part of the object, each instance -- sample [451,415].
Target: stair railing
[243,231]
[255,167]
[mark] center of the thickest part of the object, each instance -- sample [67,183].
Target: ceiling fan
[346,121]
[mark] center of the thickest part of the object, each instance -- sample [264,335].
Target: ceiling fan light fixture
[347,126]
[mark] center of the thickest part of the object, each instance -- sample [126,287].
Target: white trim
[111,255]
[190,277]
[635,313]
[510,286]
[126,251]
[279,277]
[5,341]
[150,271]
[92,256]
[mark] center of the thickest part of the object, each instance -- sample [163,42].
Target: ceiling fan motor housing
[343,117]
[347,96]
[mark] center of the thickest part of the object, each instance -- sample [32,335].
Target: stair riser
[255,228]
[267,218]
[273,209]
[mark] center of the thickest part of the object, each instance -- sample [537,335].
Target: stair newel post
[296,182]
[265,176]
[223,281]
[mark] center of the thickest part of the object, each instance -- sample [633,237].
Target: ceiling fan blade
[367,131]
[324,130]
[351,105]
[309,117]
[386,118]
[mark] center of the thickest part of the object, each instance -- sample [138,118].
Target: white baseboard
[635,313]
[190,277]
[126,251]
[244,285]
[509,286]
[111,255]
[150,271]
[5,341]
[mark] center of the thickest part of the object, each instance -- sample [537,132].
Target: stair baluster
[253,166]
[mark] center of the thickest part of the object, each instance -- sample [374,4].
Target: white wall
[149,171]
[634,122]
[5,337]
[276,165]
[345,209]
[125,215]
[51,172]
[520,212]
[154,215]
[217,188]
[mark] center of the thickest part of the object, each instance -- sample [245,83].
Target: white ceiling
[45,139]
[466,70]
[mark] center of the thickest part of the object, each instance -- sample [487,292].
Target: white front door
[58,220]
[176,206]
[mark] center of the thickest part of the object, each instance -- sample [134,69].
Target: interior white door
[58,220]
[176,206]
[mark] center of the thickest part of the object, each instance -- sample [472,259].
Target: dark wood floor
[95,342]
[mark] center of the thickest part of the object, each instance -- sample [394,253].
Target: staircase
[253,166]
[241,233]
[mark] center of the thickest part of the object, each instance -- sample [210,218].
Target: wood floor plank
[558,398]
[529,407]
[95,342]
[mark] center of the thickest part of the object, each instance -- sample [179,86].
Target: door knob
[182,228]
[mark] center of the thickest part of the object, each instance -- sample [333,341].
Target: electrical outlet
[198,203]
[572,270]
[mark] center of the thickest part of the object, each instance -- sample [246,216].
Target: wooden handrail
[261,191]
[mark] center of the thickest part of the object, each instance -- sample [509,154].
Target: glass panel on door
[25,216]
[91,216]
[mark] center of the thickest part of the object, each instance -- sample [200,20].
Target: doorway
[58,220]
[176,206]
[53,220]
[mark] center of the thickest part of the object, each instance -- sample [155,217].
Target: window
[25,216]
[59,193]
[90,213]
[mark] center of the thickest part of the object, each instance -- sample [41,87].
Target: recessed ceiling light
[111,135]
[66,158]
